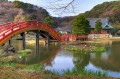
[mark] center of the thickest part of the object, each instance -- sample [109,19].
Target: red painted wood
[9,28]
[72,37]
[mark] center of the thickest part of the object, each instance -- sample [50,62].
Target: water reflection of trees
[108,60]
[80,60]
[44,56]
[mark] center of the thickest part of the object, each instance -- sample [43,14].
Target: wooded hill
[109,10]
[106,9]
[19,11]
[24,11]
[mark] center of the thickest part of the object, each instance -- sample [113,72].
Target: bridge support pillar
[9,42]
[37,41]
[23,38]
[48,39]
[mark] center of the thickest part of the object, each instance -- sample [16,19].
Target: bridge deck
[7,30]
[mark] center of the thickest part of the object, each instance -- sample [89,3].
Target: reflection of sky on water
[104,56]
[64,61]
[107,61]
[61,62]
[93,68]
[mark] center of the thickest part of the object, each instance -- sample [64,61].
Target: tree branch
[57,6]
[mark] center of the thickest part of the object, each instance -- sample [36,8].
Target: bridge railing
[7,28]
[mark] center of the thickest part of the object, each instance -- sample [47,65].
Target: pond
[55,58]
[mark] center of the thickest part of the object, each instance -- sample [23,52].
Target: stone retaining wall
[93,36]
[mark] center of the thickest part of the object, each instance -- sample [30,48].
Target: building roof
[104,21]
[107,26]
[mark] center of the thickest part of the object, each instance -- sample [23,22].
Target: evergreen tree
[22,5]
[81,25]
[49,20]
[98,26]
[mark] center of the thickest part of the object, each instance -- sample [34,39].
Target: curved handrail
[8,29]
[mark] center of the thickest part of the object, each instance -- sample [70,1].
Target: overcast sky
[80,6]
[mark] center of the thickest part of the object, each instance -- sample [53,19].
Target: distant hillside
[65,23]
[106,9]
[19,11]
[109,10]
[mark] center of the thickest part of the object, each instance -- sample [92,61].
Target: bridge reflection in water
[44,54]
[55,58]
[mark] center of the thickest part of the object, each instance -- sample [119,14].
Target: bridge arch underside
[42,32]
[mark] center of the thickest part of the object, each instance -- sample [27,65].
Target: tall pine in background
[98,26]
[49,20]
[81,25]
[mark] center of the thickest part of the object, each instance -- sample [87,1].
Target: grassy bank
[10,69]
[87,48]
[83,73]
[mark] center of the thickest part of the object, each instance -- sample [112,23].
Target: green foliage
[51,72]
[22,5]
[80,25]
[72,48]
[18,4]
[97,48]
[35,67]
[81,73]
[8,64]
[30,17]
[49,20]
[23,53]
[60,33]
[98,26]
[84,73]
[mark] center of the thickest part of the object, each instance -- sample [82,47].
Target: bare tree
[65,6]
[58,6]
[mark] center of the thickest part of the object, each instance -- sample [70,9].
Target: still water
[55,58]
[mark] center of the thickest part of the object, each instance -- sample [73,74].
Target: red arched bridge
[7,30]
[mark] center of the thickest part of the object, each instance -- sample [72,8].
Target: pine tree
[98,26]
[81,25]
[49,20]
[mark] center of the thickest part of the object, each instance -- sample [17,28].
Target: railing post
[11,27]
[37,23]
